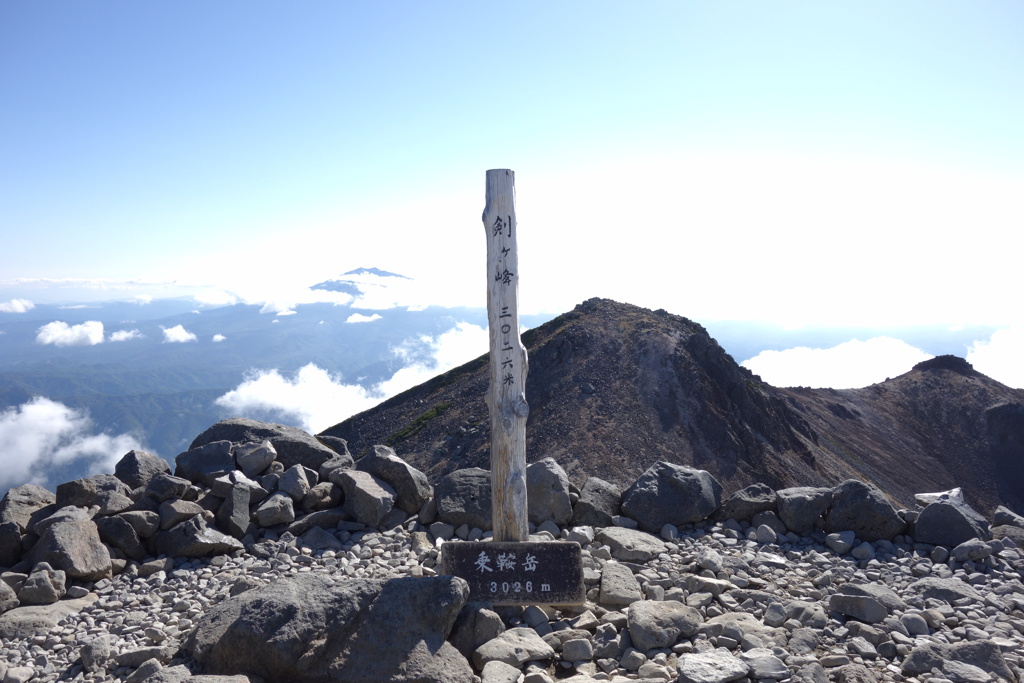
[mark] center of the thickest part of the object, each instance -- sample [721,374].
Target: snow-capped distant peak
[355,281]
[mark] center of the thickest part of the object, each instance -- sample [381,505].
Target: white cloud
[59,333]
[360,318]
[219,337]
[1001,357]
[41,434]
[848,365]
[177,334]
[125,335]
[16,306]
[313,399]
[143,299]
[215,297]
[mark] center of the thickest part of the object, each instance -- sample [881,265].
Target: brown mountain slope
[614,388]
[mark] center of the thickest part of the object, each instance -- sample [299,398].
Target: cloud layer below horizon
[43,434]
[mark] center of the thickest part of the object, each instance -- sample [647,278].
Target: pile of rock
[270,555]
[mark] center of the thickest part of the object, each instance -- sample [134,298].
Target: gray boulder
[8,598]
[20,503]
[323,496]
[1004,516]
[618,585]
[164,486]
[863,509]
[860,607]
[630,545]
[293,446]
[145,522]
[598,503]
[174,512]
[336,463]
[137,468]
[948,589]
[671,494]
[313,629]
[801,508]
[40,524]
[655,624]
[949,524]
[119,533]
[10,544]
[74,546]
[203,464]
[742,505]
[254,458]
[44,586]
[411,486]
[367,499]
[475,625]
[984,654]
[713,666]
[193,538]
[547,493]
[105,490]
[233,513]
[277,509]
[514,647]
[464,497]
[294,483]
[222,486]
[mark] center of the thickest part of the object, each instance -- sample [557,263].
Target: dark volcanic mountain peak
[948,362]
[614,388]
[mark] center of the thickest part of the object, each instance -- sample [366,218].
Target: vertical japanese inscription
[506,398]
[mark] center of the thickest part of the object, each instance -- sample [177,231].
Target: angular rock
[630,545]
[294,483]
[860,607]
[411,486]
[671,494]
[192,538]
[661,624]
[40,524]
[1004,516]
[863,509]
[174,512]
[1010,531]
[464,497]
[75,547]
[764,665]
[10,544]
[949,589]
[203,464]
[105,490]
[44,586]
[880,592]
[233,513]
[254,458]
[313,629]
[714,666]
[19,504]
[984,654]
[747,502]
[949,524]
[165,486]
[277,509]
[514,647]
[145,522]
[30,620]
[475,625]
[222,486]
[137,468]
[8,598]
[293,446]
[547,493]
[119,533]
[599,502]
[802,507]
[323,496]
[618,585]
[367,499]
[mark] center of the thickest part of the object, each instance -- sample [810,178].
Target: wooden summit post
[506,398]
[510,570]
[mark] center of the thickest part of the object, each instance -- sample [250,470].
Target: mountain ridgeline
[614,388]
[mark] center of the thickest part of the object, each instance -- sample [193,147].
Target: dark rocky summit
[729,531]
[201,579]
[614,388]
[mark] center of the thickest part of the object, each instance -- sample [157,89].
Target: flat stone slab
[25,622]
[503,573]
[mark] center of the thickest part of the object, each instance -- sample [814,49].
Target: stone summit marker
[510,570]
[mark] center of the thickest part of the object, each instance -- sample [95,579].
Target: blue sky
[798,163]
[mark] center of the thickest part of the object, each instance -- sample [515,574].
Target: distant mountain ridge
[614,388]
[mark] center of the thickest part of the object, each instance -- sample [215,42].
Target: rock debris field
[271,556]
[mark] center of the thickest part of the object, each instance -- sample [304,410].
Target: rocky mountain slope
[614,388]
[271,556]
